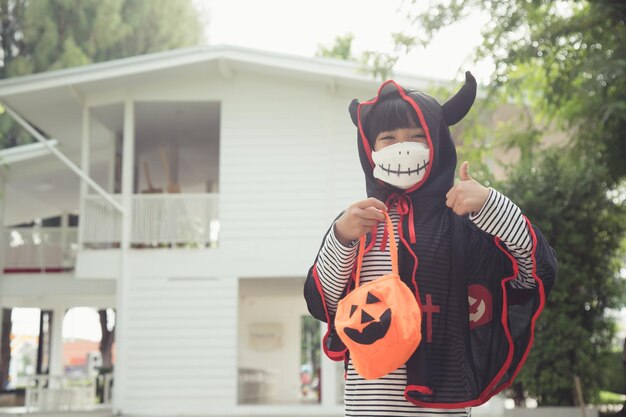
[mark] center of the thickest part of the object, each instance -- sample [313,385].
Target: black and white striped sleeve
[502,218]
[334,264]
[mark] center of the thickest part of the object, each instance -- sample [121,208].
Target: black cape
[477,330]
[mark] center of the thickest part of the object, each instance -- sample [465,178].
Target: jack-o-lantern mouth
[373,331]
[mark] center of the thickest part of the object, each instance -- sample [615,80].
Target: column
[56,343]
[84,166]
[328,377]
[3,237]
[120,367]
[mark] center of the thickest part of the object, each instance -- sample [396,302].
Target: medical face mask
[402,164]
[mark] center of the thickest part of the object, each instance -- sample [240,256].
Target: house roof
[340,69]
[25,152]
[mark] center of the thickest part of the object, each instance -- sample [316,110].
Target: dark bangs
[389,113]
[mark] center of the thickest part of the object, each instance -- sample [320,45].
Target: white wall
[181,345]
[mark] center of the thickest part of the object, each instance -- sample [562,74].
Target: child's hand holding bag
[380,322]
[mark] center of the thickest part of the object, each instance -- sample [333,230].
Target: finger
[373,213]
[451,197]
[370,213]
[451,192]
[372,202]
[459,207]
[464,171]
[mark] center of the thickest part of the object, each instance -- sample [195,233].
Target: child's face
[410,134]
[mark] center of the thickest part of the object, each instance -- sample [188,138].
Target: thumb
[464,172]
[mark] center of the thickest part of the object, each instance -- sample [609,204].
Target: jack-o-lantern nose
[366,318]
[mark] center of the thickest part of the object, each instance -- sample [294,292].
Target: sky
[299,27]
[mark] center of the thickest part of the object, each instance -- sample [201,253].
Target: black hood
[434,118]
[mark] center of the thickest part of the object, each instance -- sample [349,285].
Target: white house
[230,165]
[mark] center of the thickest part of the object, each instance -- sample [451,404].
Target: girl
[479,270]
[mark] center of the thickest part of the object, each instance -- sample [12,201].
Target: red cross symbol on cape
[429,309]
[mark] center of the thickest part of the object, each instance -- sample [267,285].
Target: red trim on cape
[421,388]
[542,302]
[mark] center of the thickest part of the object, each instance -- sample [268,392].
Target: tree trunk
[5,348]
[46,318]
[518,395]
[108,337]
[622,412]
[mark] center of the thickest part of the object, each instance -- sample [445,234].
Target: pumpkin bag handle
[393,249]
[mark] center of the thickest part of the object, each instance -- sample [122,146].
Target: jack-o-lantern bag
[379,322]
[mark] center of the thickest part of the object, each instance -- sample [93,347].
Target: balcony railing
[158,220]
[42,249]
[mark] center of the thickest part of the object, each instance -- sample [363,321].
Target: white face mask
[402,164]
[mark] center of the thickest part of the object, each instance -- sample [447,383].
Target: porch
[159,221]
[20,411]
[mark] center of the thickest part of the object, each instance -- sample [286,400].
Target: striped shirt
[385,396]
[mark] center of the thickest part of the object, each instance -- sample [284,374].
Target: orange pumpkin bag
[379,322]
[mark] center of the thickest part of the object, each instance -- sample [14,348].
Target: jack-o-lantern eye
[371,298]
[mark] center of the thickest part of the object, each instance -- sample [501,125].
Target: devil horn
[354,109]
[457,107]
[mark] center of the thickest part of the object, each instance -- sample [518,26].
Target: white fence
[189,220]
[38,249]
[54,393]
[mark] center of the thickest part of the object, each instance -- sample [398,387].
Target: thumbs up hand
[468,195]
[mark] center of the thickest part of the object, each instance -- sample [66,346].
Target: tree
[566,58]
[379,64]
[5,347]
[566,197]
[38,35]
[46,35]
[108,337]
[341,48]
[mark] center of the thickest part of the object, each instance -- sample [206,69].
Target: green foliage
[47,35]
[57,34]
[382,63]
[567,59]
[378,64]
[615,376]
[341,48]
[608,397]
[310,348]
[567,197]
